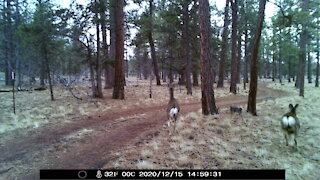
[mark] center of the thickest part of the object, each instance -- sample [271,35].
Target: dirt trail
[86,142]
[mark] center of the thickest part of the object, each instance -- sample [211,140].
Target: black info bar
[162,174]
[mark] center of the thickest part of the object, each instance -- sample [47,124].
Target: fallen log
[5,90]
[40,89]
[15,90]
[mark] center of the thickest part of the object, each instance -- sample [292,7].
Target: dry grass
[225,141]
[36,109]
[232,141]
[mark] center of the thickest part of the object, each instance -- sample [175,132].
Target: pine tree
[252,98]
[118,91]
[207,99]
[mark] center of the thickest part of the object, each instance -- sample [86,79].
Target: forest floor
[69,133]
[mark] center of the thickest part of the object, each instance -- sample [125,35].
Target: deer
[290,124]
[173,109]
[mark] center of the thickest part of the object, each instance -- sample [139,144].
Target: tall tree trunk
[20,73]
[8,42]
[186,45]
[91,66]
[118,91]
[42,72]
[48,71]
[92,76]
[223,54]
[6,68]
[105,58]
[233,84]
[151,42]
[297,83]
[208,100]
[145,65]
[246,54]
[170,69]
[112,54]
[252,98]
[182,78]
[289,70]
[241,30]
[245,69]
[98,62]
[195,78]
[302,44]
[17,60]
[318,57]
[164,75]
[280,58]
[5,44]
[273,66]
[239,57]
[309,68]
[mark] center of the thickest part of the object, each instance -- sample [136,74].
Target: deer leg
[295,140]
[174,126]
[286,137]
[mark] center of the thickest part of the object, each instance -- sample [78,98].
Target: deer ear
[296,106]
[290,106]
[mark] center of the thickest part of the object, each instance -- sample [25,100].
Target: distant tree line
[171,39]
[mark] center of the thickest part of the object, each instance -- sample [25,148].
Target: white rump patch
[173,112]
[288,121]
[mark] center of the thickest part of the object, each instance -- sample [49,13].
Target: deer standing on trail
[173,109]
[290,124]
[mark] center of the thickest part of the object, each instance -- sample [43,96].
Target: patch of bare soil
[119,138]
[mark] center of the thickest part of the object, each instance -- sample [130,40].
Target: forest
[152,84]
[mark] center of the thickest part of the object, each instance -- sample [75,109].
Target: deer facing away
[173,109]
[290,124]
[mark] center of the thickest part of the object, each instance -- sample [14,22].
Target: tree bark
[239,57]
[8,42]
[145,65]
[233,84]
[151,42]
[195,78]
[297,83]
[6,68]
[92,75]
[318,57]
[280,58]
[241,29]
[98,62]
[42,72]
[208,100]
[48,71]
[302,53]
[273,66]
[223,54]
[105,58]
[118,91]
[252,98]
[170,68]
[186,45]
[182,78]
[164,76]
[112,54]
[289,70]
[309,68]
[246,55]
